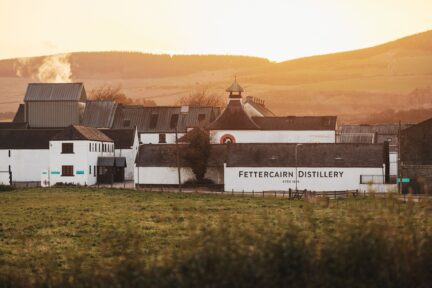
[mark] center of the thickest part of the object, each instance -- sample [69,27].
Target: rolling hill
[359,86]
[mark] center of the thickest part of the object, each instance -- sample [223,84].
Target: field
[106,237]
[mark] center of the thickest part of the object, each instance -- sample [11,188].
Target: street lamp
[296,164]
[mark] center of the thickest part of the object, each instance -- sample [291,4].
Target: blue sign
[80,172]
[404,180]
[55,172]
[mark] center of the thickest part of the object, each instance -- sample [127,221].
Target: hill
[353,85]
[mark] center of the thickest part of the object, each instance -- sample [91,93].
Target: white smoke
[54,69]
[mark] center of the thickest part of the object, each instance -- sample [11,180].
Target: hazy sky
[276,29]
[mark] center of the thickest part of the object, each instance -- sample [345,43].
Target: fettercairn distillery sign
[290,174]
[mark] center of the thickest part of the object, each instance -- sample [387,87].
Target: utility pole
[399,176]
[296,165]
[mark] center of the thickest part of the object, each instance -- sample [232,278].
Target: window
[67,148]
[94,170]
[126,123]
[174,121]
[67,170]
[90,147]
[162,138]
[9,153]
[90,169]
[201,117]
[99,147]
[154,120]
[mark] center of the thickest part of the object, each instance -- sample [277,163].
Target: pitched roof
[19,115]
[26,139]
[165,155]
[259,106]
[235,88]
[233,117]
[271,155]
[77,132]
[308,155]
[99,113]
[55,92]
[164,118]
[296,123]
[123,138]
[390,128]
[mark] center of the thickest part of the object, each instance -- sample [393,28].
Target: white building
[74,154]
[241,122]
[24,153]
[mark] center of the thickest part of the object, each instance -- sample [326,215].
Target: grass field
[107,237]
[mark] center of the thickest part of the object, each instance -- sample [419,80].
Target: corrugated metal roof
[271,155]
[99,114]
[296,123]
[55,92]
[357,138]
[159,119]
[77,132]
[391,128]
[26,139]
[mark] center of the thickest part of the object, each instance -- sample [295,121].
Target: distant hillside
[357,85]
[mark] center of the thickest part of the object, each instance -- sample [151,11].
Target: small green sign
[55,172]
[404,180]
[80,172]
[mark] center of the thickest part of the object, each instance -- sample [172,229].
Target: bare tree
[108,92]
[202,97]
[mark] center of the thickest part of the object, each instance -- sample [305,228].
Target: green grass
[100,237]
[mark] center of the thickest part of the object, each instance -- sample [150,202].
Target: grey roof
[123,138]
[234,117]
[19,115]
[111,161]
[13,125]
[391,128]
[357,138]
[258,105]
[271,155]
[296,123]
[55,92]
[77,132]
[26,139]
[140,117]
[99,113]
[308,155]
[151,155]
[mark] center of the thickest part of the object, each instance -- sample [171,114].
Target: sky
[275,29]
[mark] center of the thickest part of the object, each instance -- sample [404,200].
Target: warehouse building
[237,124]
[416,158]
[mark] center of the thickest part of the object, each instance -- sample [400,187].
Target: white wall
[169,175]
[270,136]
[26,165]
[130,155]
[393,163]
[153,138]
[81,159]
[238,180]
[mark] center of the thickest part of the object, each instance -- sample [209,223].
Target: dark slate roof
[55,92]
[111,161]
[296,123]
[13,125]
[164,155]
[99,113]
[77,132]
[390,128]
[123,138]
[26,139]
[258,105]
[308,155]
[140,117]
[19,115]
[234,117]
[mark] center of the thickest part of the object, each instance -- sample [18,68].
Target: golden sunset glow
[275,29]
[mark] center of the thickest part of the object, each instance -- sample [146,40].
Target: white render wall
[236,181]
[273,136]
[393,159]
[130,155]
[80,159]
[153,138]
[169,175]
[26,164]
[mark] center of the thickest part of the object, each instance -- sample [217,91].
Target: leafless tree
[202,97]
[115,93]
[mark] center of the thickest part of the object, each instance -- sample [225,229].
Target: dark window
[174,120]
[153,121]
[126,123]
[99,147]
[9,153]
[94,170]
[90,147]
[201,117]
[90,169]
[67,148]
[162,138]
[67,170]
